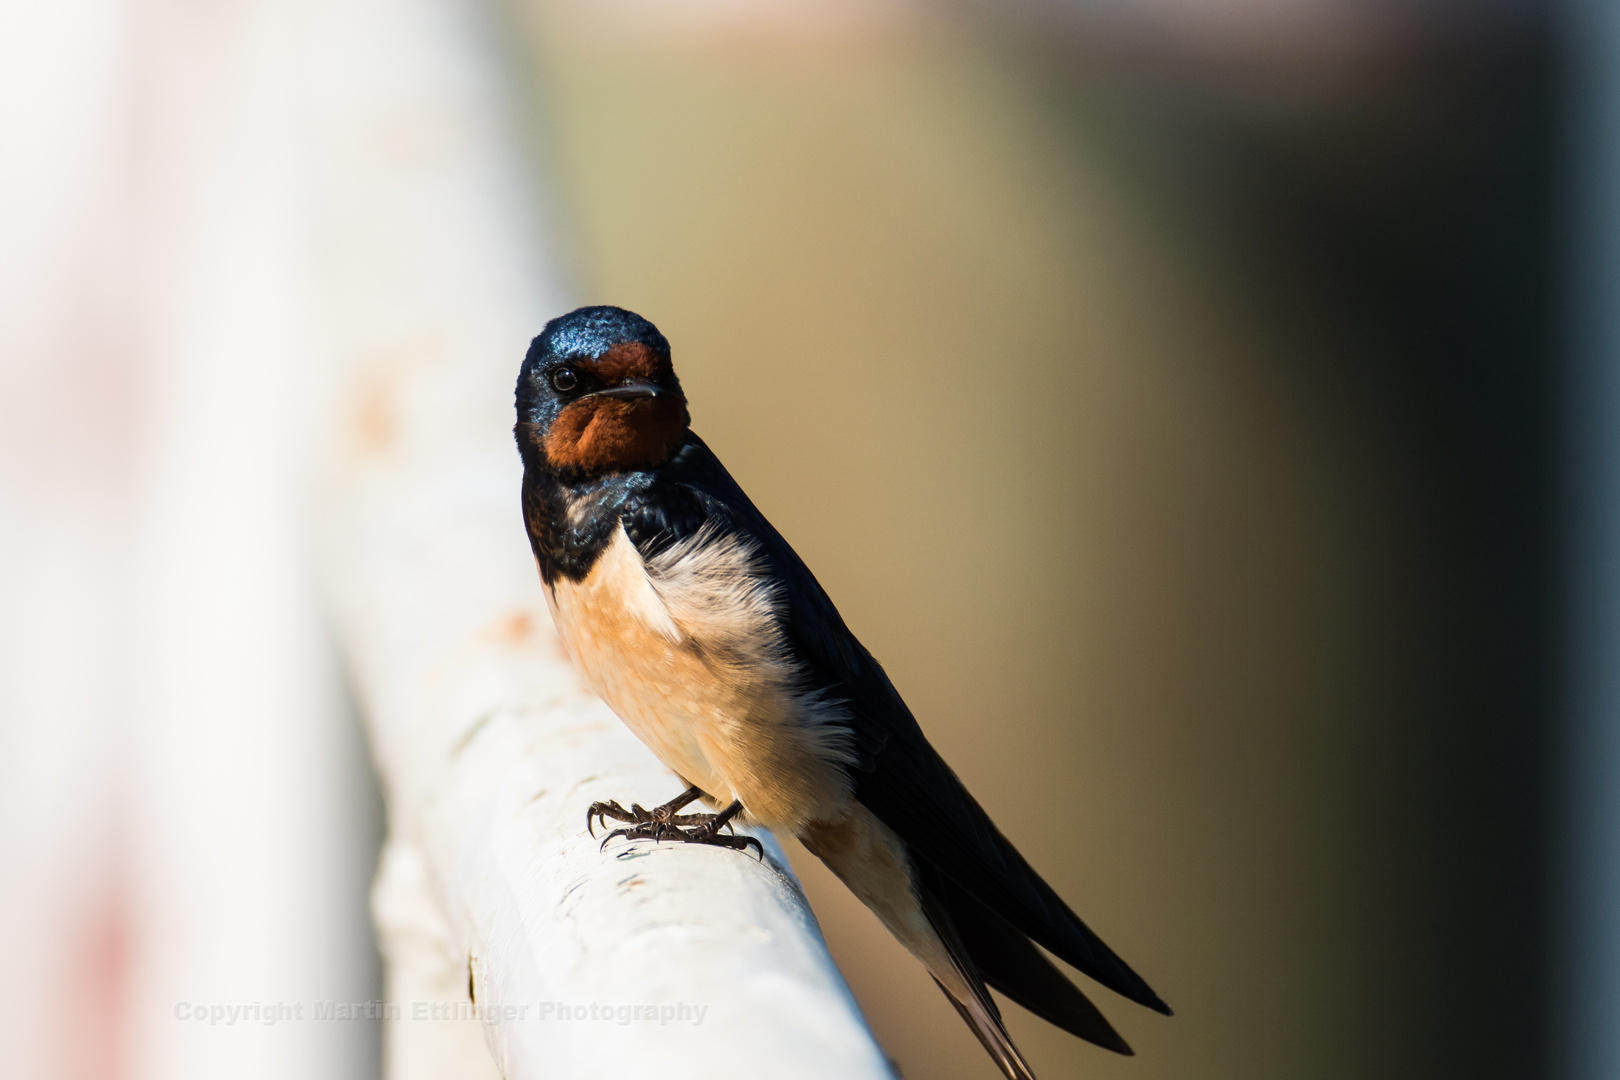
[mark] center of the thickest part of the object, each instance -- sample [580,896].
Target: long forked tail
[983,949]
[923,803]
[873,862]
[963,943]
[965,988]
[1009,962]
[985,1020]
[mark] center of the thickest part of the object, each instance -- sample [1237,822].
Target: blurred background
[1208,411]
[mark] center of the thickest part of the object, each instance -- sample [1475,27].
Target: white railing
[423,285]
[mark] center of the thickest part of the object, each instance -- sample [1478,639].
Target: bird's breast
[687,649]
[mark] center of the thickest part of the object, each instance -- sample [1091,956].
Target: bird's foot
[663,823]
[660,819]
[655,822]
[702,834]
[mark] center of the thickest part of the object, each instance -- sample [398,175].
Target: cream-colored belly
[689,658]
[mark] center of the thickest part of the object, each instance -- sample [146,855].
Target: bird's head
[597,394]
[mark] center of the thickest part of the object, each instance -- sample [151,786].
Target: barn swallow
[698,625]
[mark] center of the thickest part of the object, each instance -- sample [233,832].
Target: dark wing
[900,777]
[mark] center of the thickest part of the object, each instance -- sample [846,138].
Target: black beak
[636,388]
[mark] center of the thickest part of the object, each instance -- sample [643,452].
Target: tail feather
[970,996]
[963,943]
[1010,962]
[917,795]
[981,1015]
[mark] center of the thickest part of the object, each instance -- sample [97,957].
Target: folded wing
[994,899]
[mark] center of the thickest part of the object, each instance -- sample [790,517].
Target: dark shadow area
[1405,227]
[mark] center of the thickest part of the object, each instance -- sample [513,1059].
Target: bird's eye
[564,379]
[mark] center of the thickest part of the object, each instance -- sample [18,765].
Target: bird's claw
[703,833]
[599,812]
[666,823]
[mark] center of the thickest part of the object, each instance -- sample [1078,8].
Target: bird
[703,630]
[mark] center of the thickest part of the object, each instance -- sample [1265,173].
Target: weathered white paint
[423,291]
